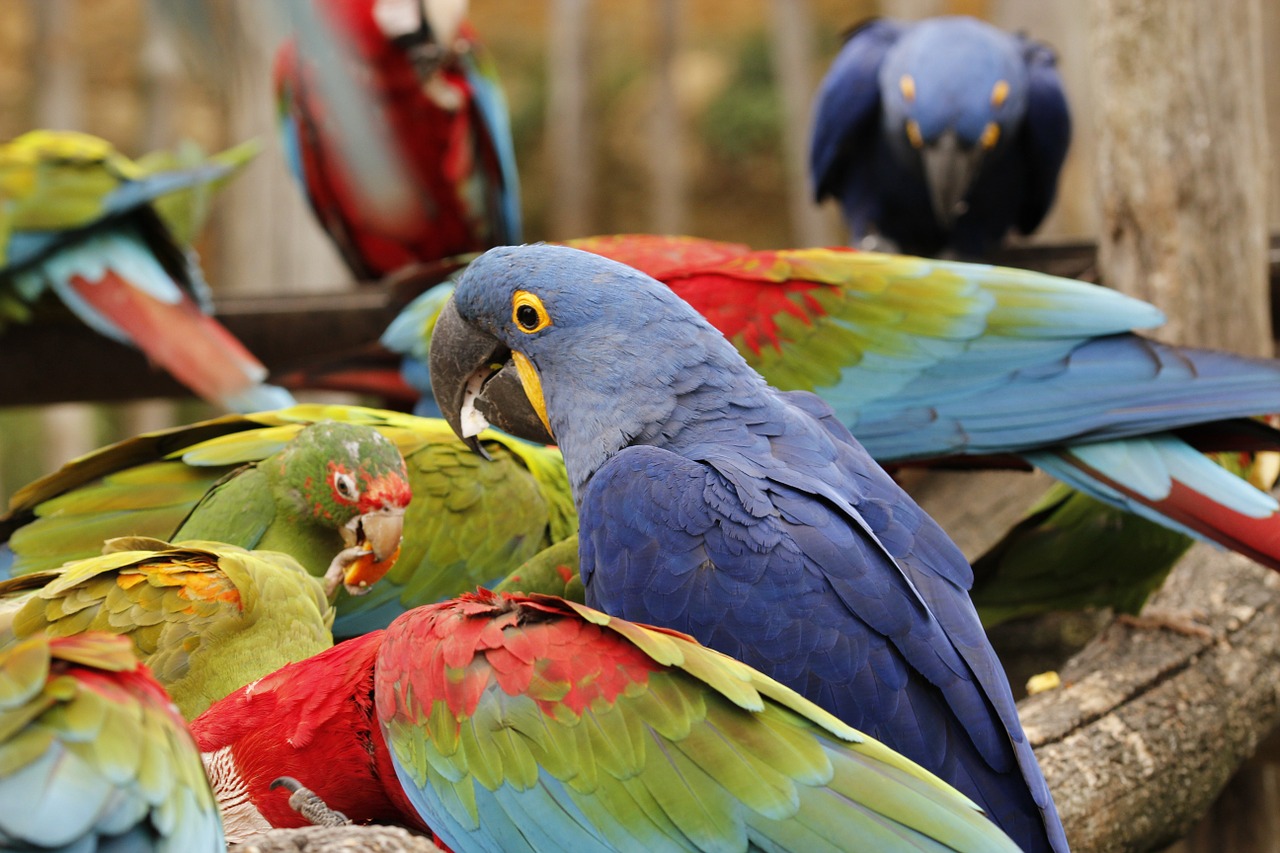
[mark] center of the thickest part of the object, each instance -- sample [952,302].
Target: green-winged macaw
[711,503]
[1071,551]
[293,481]
[93,755]
[205,617]
[528,723]
[109,238]
[408,79]
[925,359]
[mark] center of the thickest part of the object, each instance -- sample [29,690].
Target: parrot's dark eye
[345,485]
[528,312]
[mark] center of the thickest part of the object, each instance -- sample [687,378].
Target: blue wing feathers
[1046,134]
[1111,387]
[848,103]
[800,587]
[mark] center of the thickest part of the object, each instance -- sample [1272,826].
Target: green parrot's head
[352,479]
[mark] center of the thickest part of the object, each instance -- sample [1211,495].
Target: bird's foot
[307,803]
[337,570]
[1182,622]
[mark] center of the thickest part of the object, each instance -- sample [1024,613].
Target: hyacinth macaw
[940,135]
[108,237]
[422,78]
[205,617]
[509,723]
[332,495]
[713,504]
[237,479]
[94,755]
[925,360]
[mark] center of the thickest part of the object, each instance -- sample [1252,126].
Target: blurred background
[674,116]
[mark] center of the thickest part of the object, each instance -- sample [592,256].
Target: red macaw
[416,85]
[529,723]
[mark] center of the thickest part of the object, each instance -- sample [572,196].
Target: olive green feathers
[93,754]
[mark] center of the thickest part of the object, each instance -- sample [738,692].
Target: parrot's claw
[307,803]
[338,569]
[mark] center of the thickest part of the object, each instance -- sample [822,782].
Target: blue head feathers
[614,364]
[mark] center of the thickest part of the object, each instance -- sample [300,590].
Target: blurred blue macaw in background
[940,135]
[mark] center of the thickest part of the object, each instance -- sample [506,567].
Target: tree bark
[1151,723]
[1183,173]
[1183,164]
[337,839]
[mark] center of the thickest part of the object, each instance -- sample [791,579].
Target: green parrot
[108,237]
[470,521]
[205,617]
[93,756]
[328,493]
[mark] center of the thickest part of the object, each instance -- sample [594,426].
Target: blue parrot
[749,518]
[940,135]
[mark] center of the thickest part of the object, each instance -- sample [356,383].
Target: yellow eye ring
[999,93]
[907,85]
[990,135]
[527,313]
[914,135]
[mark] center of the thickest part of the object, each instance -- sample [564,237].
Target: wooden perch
[1151,723]
[337,839]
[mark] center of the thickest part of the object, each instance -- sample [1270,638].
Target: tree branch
[1151,723]
[337,839]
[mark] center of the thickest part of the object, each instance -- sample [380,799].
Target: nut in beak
[375,539]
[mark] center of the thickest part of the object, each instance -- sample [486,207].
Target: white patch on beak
[469,417]
[445,17]
[397,17]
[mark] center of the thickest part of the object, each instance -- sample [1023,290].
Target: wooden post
[1183,164]
[568,123]
[792,29]
[1183,179]
[666,141]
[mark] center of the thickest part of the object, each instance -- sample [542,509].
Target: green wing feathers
[527,717]
[91,753]
[552,571]
[205,617]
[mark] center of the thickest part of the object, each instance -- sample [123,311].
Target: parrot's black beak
[476,384]
[949,170]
